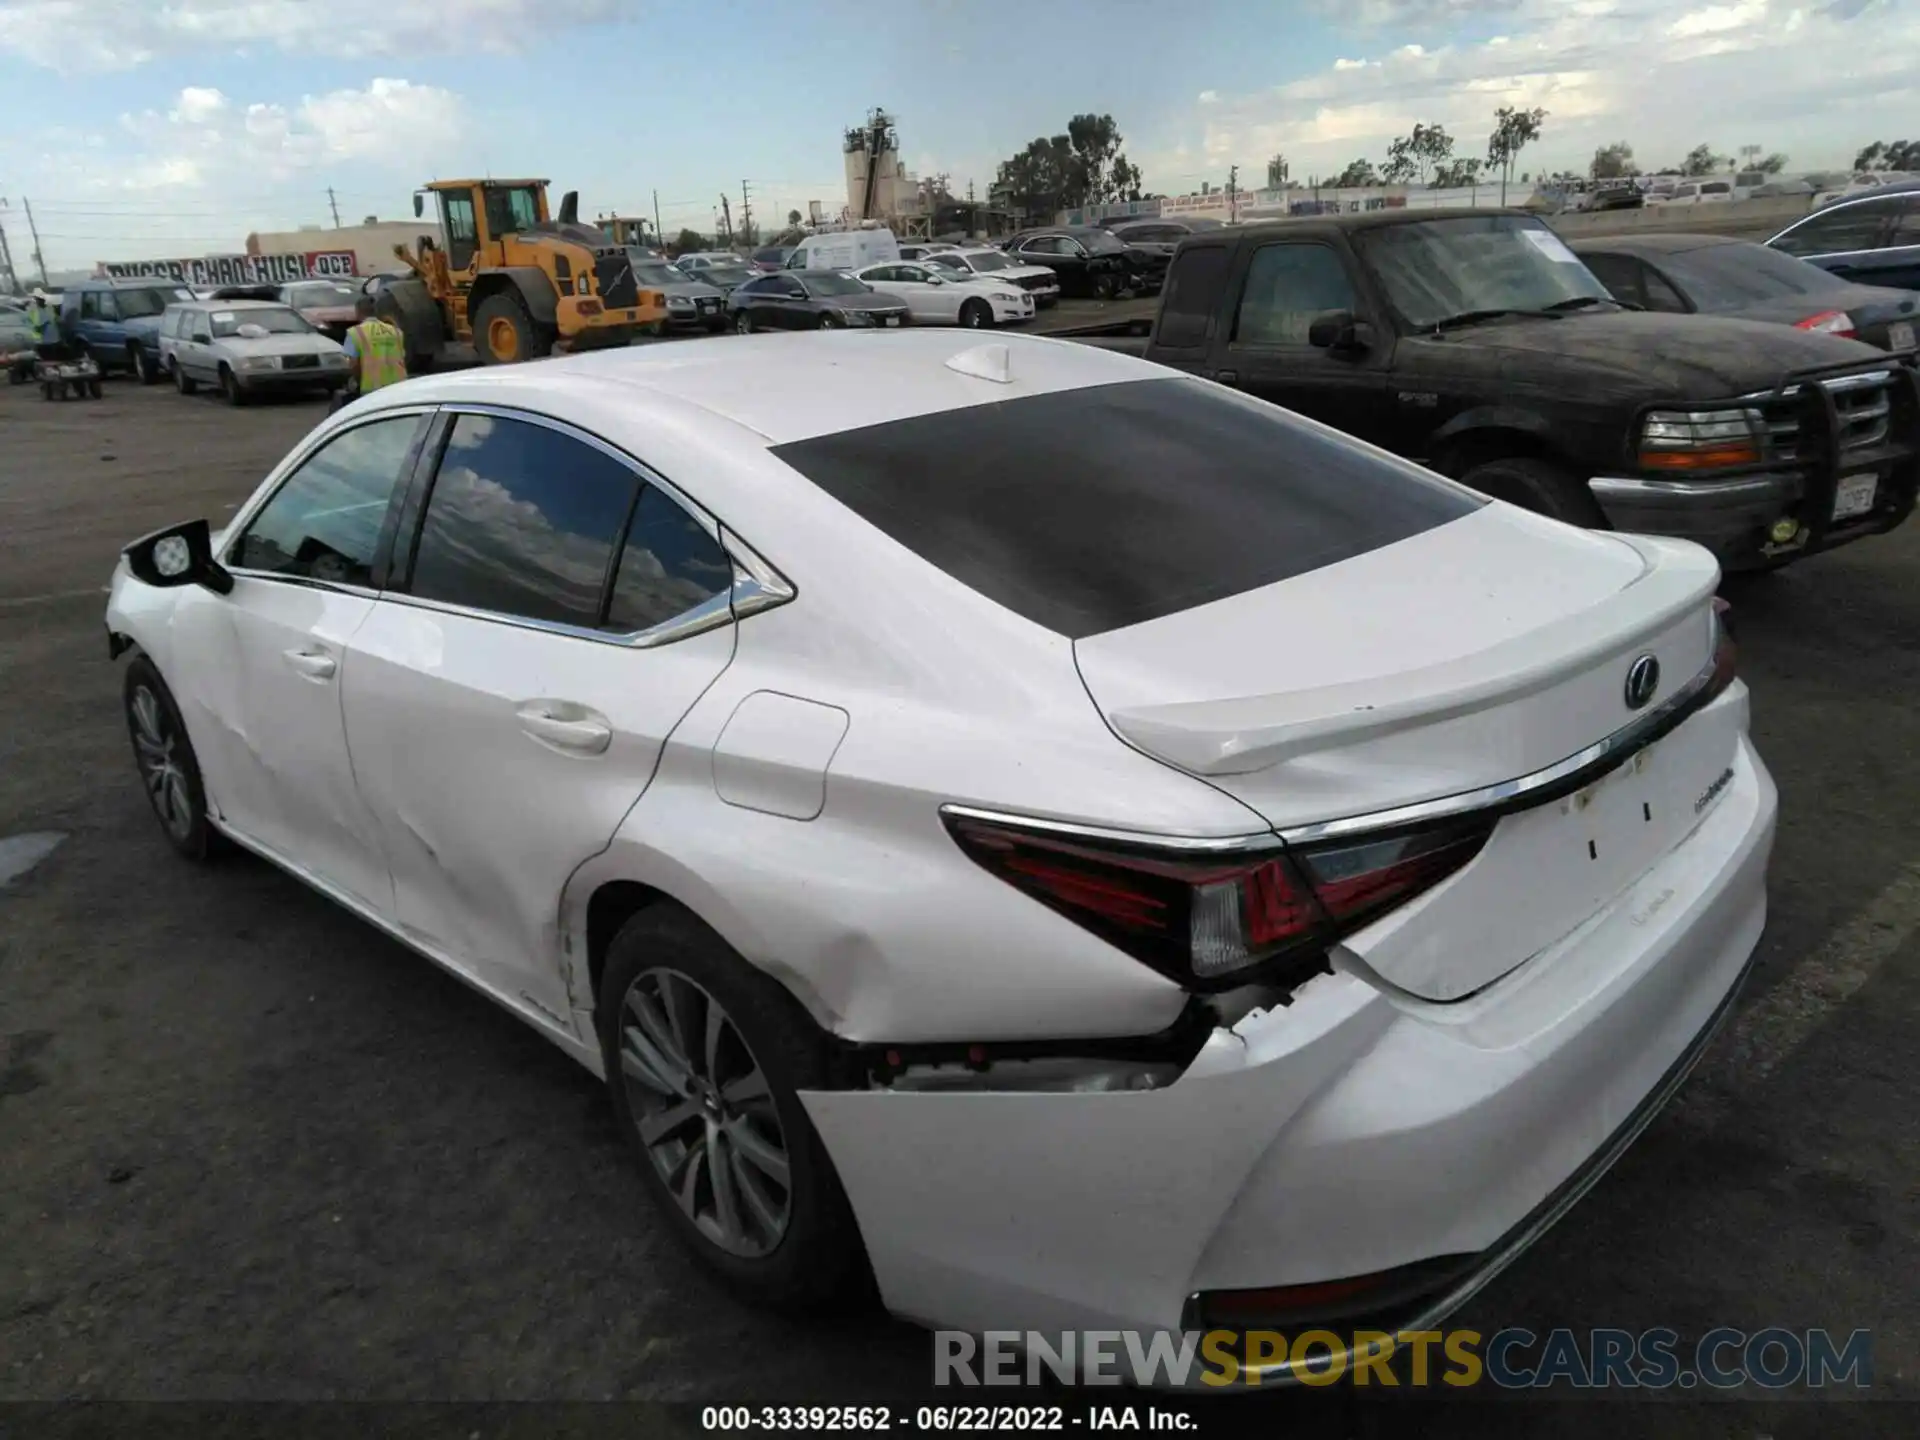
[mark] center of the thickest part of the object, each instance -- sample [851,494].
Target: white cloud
[203,138]
[1790,75]
[83,35]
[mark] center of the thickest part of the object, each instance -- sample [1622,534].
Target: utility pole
[39,260]
[658,234]
[1233,194]
[11,281]
[333,205]
[726,219]
[746,213]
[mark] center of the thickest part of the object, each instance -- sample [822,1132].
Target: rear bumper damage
[1352,1132]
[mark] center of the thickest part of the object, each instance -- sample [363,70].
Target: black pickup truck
[1477,343]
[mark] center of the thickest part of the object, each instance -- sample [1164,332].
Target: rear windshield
[1726,277]
[1088,510]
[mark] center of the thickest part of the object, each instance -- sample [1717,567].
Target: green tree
[793,217]
[1613,162]
[1415,156]
[1889,155]
[1513,131]
[1702,161]
[1358,174]
[1277,173]
[1457,174]
[688,240]
[1773,164]
[1085,166]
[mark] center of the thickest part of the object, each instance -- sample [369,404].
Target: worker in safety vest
[376,353]
[43,322]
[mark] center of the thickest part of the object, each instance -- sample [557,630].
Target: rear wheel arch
[615,902]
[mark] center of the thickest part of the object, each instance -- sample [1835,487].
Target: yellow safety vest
[383,354]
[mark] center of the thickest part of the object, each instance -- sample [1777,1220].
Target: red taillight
[1829,322]
[1211,921]
[1726,653]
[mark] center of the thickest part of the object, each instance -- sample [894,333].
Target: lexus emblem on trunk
[1643,678]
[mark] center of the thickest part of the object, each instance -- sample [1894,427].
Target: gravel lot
[252,1150]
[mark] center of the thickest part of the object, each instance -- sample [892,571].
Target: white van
[845,250]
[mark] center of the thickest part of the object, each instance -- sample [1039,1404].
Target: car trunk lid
[1452,662]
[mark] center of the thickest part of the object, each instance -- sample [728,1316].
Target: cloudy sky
[160,128]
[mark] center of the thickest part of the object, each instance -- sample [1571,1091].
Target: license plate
[893,319]
[1854,495]
[1900,336]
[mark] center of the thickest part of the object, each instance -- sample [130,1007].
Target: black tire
[145,370]
[827,321]
[230,389]
[743,323]
[179,800]
[46,390]
[976,314]
[655,331]
[818,1260]
[93,389]
[530,342]
[1104,287]
[1539,486]
[182,382]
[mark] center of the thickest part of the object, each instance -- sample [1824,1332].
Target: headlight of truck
[679,302]
[1006,295]
[1700,439]
[260,362]
[857,317]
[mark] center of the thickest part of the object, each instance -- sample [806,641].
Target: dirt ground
[251,1150]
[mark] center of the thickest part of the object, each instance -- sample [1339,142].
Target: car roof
[1658,244]
[781,388]
[229,305]
[1370,220]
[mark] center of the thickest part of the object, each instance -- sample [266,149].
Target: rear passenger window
[669,565]
[1288,286]
[1193,289]
[522,521]
[1620,274]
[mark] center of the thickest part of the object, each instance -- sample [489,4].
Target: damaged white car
[1073,844]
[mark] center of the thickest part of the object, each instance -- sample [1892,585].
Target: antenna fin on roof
[985,362]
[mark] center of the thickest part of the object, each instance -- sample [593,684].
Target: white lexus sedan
[947,297]
[1056,839]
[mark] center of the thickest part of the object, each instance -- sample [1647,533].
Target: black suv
[1477,343]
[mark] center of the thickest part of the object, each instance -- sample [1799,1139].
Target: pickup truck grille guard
[1830,420]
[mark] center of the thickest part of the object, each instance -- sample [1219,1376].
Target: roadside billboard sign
[210,270]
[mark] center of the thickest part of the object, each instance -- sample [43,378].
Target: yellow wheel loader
[512,282]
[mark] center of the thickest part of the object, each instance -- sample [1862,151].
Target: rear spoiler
[1242,735]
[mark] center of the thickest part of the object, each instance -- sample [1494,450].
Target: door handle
[314,664]
[566,726]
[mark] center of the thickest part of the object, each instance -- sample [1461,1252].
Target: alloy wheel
[705,1113]
[153,742]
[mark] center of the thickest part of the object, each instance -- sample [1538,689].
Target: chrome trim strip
[757,585]
[307,582]
[1524,790]
[1623,487]
[1519,793]
[1837,384]
[709,614]
[1191,844]
[1516,1242]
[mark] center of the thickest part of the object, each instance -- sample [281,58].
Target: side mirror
[419,205]
[178,555]
[1338,333]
